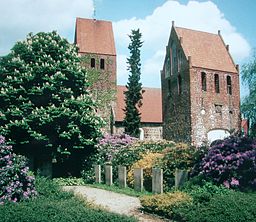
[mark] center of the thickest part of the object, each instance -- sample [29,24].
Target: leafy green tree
[44,102]
[249,102]
[133,95]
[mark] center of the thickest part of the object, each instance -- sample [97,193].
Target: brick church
[200,88]
[95,40]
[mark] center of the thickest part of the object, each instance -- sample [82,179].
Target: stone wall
[151,131]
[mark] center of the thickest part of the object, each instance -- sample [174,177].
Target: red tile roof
[207,50]
[151,110]
[95,36]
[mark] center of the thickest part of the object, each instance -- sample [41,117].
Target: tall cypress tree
[133,95]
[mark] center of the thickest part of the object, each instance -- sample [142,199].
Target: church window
[102,64]
[229,85]
[179,84]
[217,83]
[92,62]
[203,81]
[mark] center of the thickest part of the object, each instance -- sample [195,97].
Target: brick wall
[211,110]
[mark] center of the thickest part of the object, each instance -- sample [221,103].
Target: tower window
[229,85]
[92,62]
[179,84]
[102,64]
[203,81]
[217,83]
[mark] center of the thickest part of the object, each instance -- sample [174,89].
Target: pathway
[114,202]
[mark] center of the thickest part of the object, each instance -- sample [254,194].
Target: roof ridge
[195,30]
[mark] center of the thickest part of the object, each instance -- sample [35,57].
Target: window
[169,85]
[203,81]
[218,108]
[217,83]
[102,64]
[179,84]
[179,60]
[229,85]
[92,63]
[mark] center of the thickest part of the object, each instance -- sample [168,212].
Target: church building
[200,88]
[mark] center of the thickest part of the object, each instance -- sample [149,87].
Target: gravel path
[114,202]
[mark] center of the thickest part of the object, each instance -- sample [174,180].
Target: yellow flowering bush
[163,204]
[147,161]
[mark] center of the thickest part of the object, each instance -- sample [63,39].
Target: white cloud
[19,17]
[155,28]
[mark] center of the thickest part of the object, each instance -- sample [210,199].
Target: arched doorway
[217,134]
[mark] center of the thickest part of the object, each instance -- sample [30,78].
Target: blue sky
[236,20]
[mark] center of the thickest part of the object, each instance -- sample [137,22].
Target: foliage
[133,95]
[146,162]
[248,107]
[70,181]
[102,85]
[54,205]
[181,156]
[15,182]
[233,207]
[45,102]
[205,191]
[231,162]
[163,204]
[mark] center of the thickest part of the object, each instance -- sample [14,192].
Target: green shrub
[55,205]
[163,204]
[45,210]
[205,192]
[234,207]
[70,181]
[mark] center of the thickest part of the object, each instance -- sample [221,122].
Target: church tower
[200,88]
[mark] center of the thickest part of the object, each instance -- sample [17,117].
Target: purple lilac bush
[110,145]
[15,182]
[231,162]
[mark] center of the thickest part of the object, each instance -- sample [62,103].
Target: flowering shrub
[110,145]
[147,162]
[181,156]
[164,204]
[15,182]
[232,163]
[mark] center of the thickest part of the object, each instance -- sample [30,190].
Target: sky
[235,19]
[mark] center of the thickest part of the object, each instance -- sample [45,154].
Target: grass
[127,191]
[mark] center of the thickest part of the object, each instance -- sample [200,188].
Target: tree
[133,95]
[248,107]
[45,105]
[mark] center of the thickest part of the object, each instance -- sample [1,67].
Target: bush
[121,150]
[163,204]
[181,156]
[204,192]
[147,162]
[235,206]
[70,181]
[15,182]
[54,205]
[232,163]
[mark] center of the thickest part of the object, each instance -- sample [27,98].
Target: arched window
[102,64]
[92,62]
[203,81]
[229,85]
[179,84]
[217,83]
